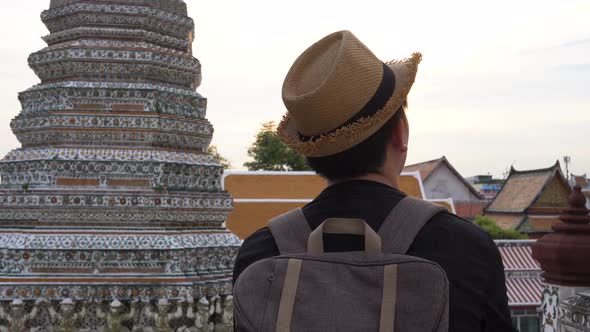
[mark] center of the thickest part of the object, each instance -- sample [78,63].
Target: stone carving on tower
[112,196]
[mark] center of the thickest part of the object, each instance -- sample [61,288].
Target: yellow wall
[306,186]
[274,186]
[250,216]
[247,218]
[411,186]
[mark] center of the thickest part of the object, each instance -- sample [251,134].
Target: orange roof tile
[542,224]
[469,209]
[519,192]
[506,221]
[521,189]
[425,168]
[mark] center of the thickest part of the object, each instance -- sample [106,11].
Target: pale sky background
[501,82]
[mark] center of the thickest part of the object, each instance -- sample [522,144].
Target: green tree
[269,153]
[212,150]
[497,232]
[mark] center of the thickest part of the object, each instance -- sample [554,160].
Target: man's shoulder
[443,227]
[257,246]
[260,239]
[450,222]
[445,237]
[449,233]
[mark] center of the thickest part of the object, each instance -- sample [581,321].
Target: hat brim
[348,136]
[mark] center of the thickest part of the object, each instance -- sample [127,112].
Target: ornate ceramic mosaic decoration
[574,313]
[549,307]
[112,215]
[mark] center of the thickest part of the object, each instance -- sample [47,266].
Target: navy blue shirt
[477,294]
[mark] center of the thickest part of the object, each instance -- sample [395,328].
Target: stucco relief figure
[161,315]
[574,313]
[16,317]
[116,317]
[201,316]
[570,329]
[549,307]
[65,320]
[225,314]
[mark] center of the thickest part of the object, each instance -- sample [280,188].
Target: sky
[501,83]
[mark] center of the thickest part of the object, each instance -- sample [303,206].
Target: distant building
[486,185]
[580,180]
[530,201]
[441,180]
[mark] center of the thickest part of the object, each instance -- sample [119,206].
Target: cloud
[574,43]
[568,44]
[574,66]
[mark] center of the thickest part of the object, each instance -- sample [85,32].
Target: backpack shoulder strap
[403,223]
[290,231]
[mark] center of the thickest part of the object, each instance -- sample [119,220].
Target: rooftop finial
[576,213]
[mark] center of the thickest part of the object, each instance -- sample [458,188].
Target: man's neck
[391,181]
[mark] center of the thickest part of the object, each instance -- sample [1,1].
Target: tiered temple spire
[563,256]
[113,194]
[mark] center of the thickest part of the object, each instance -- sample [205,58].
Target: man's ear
[398,136]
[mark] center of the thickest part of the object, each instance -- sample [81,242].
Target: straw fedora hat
[338,94]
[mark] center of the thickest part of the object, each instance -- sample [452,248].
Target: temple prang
[563,256]
[112,197]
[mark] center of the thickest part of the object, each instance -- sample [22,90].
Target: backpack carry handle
[315,242]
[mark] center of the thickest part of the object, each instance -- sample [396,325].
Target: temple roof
[580,180]
[522,188]
[517,255]
[469,209]
[522,273]
[426,169]
[507,220]
[537,225]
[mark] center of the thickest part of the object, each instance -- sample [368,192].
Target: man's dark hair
[366,157]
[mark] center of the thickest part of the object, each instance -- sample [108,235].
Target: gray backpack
[380,289]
